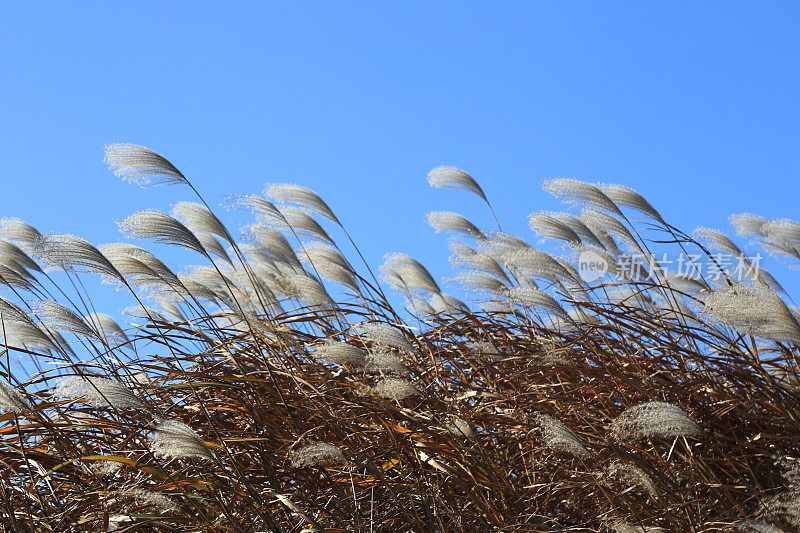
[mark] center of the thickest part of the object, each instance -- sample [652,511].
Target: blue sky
[693,104]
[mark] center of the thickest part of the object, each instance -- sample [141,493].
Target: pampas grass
[273,386]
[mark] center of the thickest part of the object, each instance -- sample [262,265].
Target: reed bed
[279,386]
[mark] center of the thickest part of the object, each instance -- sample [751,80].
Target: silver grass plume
[107,327]
[142,166]
[483,348]
[213,246]
[478,281]
[302,224]
[654,419]
[395,389]
[172,439]
[443,302]
[454,223]
[142,268]
[411,272]
[100,392]
[329,264]
[580,194]
[162,228]
[464,255]
[274,243]
[12,400]
[152,500]
[20,232]
[747,224]
[758,527]
[18,279]
[559,437]
[527,296]
[718,240]
[454,178]
[621,526]
[341,354]
[612,226]
[630,473]
[264,210]
[460,428]
[13,257]
[530,263]
[382,361]
[386,335]
[28,335]
[71,252]
[550,227]
[58,317]
[755,310]
[302,197]
[200,219]
[318,454]
[586,235]
[624,196]
[309,291]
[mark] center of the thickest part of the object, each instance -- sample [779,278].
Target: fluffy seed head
[395,389]
[71,252]
[386,335]
[654,419]
[340,353]
[630,473]
[558,436]
[453,222]
[318,454]
[12,400]
[454,178]
[100,392]
[175,440]
[626,197]
[141,165]
[162,228]
[460,428]
[302,197]
[580,194]
[754,310]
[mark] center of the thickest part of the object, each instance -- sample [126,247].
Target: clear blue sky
[695,104]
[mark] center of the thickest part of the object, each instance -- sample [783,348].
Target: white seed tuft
[175,440]
[318,454]
[559,437]
[654,419]
[12,400]
[395,389]
[454,178]
[141,165]
[302,197]
[100,392]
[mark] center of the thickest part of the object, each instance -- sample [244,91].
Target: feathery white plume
[20,232]
[386,335]
[654,419]
[340,353]
[59,317]
[460,428]
[580,194]
[754,309]
[318,454]
[302,197]
[559,437]
[380,361]
[453,222]
[395,389]
[454,178]
[747,224]
[162,228]
[141,165]
[100,392]
[200,219]
[12,400]
[302,224]
[175,440]
[411,272]
[630,473]
[69,251]
[329,264]
[549,226]
[626,197]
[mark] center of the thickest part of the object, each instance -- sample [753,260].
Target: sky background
[693,104]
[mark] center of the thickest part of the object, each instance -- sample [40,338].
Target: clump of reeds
[274,385]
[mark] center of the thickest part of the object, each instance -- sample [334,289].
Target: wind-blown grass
[274,386]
